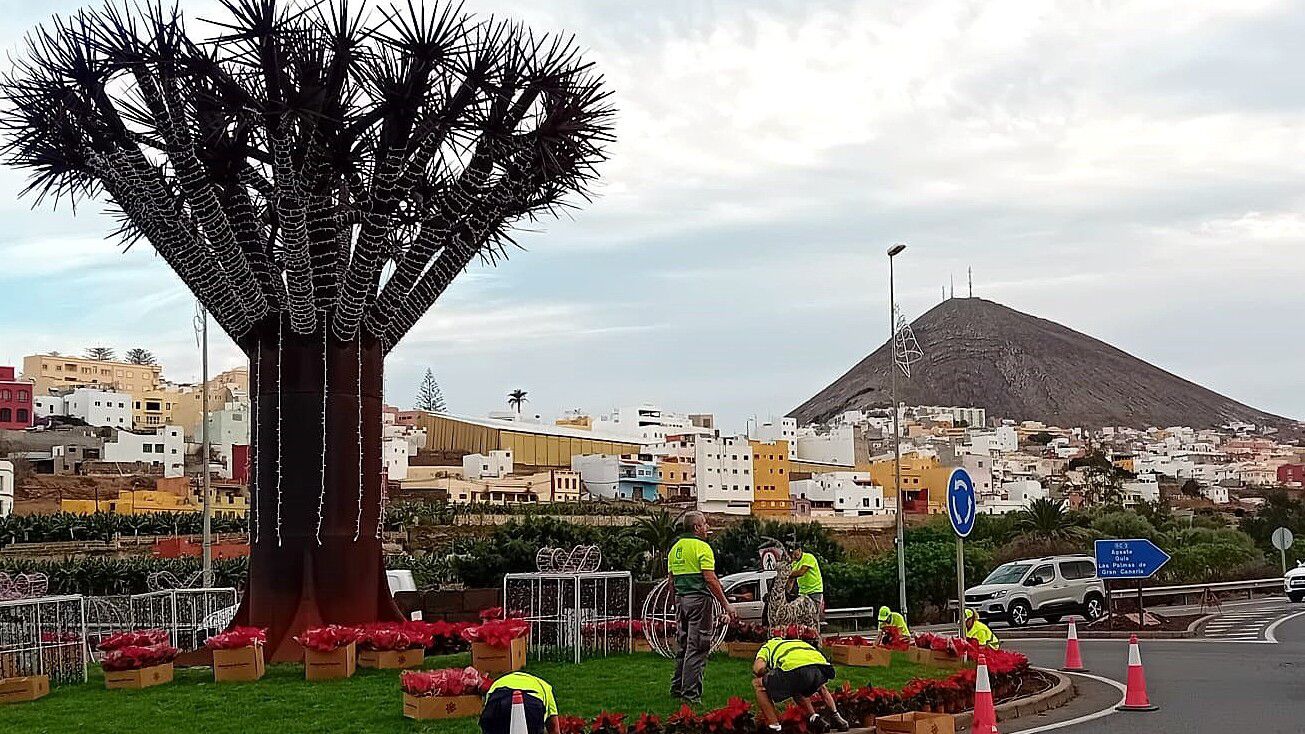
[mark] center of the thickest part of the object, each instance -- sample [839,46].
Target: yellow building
[676,478]
[554,485]
[582,422]
[532,444]
[924,481]
[771,470]
[50,371]
[228,501]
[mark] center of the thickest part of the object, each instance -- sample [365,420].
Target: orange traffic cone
[1073,658]
[985,716]
[517,723]
[1135,698]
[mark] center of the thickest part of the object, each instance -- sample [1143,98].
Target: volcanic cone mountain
[983,354]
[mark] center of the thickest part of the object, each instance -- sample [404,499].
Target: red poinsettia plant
[439,637]
[797,632]
[572,725]
[894,640]
[390,636]
[138,638]
[607,722]
[735,716]
[747,632]
[444,683]
[138,657]
[850,641]
[237,638]
[647,724]
[327,639]
[497,633]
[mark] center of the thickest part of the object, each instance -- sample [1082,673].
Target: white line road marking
[1123,690]
[1269,633]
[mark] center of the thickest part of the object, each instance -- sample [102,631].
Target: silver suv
[1048,587]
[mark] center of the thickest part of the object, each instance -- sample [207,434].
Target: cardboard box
[440,707]
[943,659]
[27,688]
[919,655]
[860,656]
[340,663]
[241,664]
[497,660]
[391,659]
[745,650]
[155,675]
[640,644]
[916,722]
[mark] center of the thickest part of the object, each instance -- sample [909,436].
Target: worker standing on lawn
[692,567]
[806,574]
[980,632]
[537,696]
[888,619]
[793,669]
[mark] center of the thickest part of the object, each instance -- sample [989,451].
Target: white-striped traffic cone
[985,715]
[1073,657]
[1135,698]
[518,720]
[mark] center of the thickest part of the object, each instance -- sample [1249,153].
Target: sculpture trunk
[315,556]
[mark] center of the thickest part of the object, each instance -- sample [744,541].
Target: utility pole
[969,271]
[894,251]
[204,451]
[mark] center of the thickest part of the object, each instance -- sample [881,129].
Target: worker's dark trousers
[695,618]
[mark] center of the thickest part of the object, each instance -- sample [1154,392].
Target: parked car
[1293,582]
[1049,587]
[747,593]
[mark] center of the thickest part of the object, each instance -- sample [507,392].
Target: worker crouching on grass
[793,669]
[980,632]
[537,697]
[890,620]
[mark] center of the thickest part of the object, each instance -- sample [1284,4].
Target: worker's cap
[883,614]
[969,614]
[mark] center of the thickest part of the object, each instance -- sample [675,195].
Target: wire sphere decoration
[580,559]
[659,621]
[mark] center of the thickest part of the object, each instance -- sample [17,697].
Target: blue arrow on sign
[1137,558]
[961,505]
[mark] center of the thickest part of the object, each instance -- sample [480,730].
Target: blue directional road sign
[961,505]
[1129,559]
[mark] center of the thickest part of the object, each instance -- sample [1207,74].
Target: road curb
[1100,635]
[1197,627]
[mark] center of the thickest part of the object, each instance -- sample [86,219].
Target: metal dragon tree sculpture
[317,176]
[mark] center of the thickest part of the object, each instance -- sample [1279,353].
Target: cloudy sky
[1133,170]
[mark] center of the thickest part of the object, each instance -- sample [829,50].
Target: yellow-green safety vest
[810,582]
[982,634]
[781,654]
[689,557]
[529,685]
[895,619]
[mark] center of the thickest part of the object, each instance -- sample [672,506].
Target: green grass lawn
[283,702]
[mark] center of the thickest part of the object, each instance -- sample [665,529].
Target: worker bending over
[793,669]
[888,619]
[980,632]
[537,695]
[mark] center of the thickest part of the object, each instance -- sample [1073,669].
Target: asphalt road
[1250,685]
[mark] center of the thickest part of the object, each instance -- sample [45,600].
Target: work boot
[817,725]
[840,723]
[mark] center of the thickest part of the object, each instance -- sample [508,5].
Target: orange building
[771,470]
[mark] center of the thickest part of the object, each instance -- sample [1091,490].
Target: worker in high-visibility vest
[888,619]
[980,632]
[691,565]
[537,697]
[793,669]
[805,572]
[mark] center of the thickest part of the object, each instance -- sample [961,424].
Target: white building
[6,488]
[844,493]
[1013,496]
[647,422]
[1216,494]
[723,467]
[394,452]
[99,407]
[46,406]
[600,474]
[1146,488]
[833,445]
[975,417]
[785,429]
[230,425]
[166,447]
[478,466]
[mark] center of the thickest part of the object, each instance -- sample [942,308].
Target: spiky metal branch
[287,164]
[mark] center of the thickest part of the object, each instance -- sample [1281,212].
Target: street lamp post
[893,252]
[204,449]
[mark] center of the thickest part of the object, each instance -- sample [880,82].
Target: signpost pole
[1283,551]
[960,585]
[1141,609]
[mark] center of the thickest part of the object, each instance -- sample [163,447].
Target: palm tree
[1047,519]
[657,531]
[516,399]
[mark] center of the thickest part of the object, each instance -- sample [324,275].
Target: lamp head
[896,249]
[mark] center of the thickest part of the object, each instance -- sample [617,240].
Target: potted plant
[744,639]
[329,652]
[857,651]
[391,646]
[137,659]
[498,646]
[442,694]
[238,654]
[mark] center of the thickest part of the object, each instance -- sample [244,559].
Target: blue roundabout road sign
[961,504]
